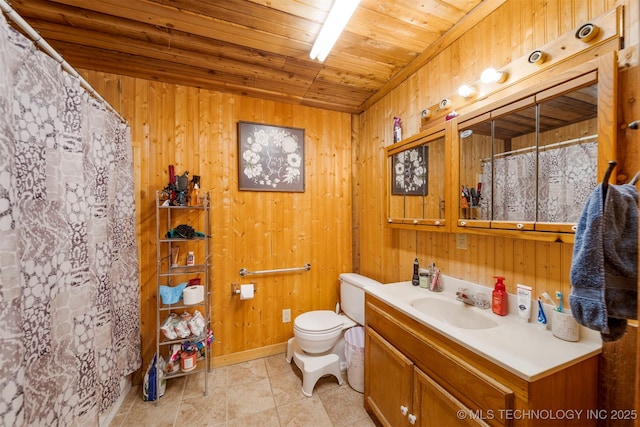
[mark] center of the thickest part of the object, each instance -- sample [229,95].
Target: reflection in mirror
[514,166]
[568,154]
[410,177]
[475,171]
[396,200]
[434,200]
[417,180]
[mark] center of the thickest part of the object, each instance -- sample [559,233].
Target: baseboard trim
[244,356]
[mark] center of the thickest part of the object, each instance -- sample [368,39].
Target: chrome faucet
[480,300]
[465,296]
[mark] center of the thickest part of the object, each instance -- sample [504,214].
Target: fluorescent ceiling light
[337,19]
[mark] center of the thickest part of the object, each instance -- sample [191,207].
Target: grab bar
[244,272]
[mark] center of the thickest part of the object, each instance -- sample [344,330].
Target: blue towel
[172,294]
[604,268]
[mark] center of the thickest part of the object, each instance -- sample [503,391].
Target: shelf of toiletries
[184,268]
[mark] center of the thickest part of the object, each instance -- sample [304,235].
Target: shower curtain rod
[580,140]
[42,43]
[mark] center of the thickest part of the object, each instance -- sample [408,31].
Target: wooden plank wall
[338,223]
[514,30]
[196,130]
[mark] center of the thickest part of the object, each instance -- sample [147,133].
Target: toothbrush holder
[564,326]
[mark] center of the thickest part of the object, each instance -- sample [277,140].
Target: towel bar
[244,272]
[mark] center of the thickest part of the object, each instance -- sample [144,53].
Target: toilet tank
[352,295]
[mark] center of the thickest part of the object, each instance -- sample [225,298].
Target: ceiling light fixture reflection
[491,75]
[337,19]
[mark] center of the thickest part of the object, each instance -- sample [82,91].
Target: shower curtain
[566,178]
[69,291]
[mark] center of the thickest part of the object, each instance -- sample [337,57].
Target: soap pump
[415,280]
[499,298]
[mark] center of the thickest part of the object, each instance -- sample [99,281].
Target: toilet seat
[319,322]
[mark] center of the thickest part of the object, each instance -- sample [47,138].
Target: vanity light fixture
[491,75]
[445,104]
[587,32]
[537,57]
[466,91]
[337,19]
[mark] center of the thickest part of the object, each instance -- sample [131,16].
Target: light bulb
[466,91]
[491,75]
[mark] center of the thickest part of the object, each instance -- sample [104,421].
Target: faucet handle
[482,300]
[462,294]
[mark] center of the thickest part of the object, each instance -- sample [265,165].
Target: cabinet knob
[389,220]
[412,419]
[437,222]
[404,410]
[463,223]
[574,227]
[520,226]
[415,221]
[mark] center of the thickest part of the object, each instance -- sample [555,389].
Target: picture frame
[410,175]
[270,158]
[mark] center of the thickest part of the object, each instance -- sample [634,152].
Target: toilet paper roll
[246,291]
[193,294]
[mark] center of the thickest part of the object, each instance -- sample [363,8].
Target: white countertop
[520,347]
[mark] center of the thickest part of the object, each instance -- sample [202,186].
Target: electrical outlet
[461,241]
[286,315]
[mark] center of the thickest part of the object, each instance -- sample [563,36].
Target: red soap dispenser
[499,301]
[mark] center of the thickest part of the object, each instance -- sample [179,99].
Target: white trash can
[354,353]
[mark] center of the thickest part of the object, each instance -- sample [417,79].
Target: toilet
[317,346]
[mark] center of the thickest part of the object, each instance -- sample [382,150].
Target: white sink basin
[455,313]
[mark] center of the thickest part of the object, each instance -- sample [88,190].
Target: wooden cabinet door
[388,381]
[434,406]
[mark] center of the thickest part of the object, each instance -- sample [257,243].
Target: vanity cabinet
[415,375]
[529,162]
[417,179]
[389,381]
[400,394]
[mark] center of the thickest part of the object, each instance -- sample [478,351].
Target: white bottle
[191,260]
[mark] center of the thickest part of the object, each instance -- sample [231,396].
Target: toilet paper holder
[235,289]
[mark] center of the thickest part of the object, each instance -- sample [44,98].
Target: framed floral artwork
[270,158]
[410,172]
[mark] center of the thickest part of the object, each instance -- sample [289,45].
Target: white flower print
[271,157]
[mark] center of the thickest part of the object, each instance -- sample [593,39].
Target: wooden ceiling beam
[178,55]
[153,13]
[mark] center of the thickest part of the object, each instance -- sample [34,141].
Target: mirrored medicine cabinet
[531,164]
[416,180]
[524,163]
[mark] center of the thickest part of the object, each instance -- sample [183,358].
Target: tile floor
[263,392]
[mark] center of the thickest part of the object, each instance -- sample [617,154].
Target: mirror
[416,180]
[568,154]
[514,164]
[475,169]
[533,163]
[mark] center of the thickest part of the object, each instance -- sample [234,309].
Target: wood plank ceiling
[257,48]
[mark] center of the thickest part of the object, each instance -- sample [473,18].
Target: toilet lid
[319,321]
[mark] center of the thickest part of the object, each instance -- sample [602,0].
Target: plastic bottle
[191,258]
[499,302]
[415,281]
[397,129]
